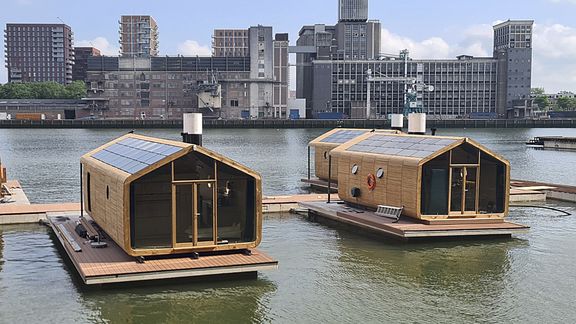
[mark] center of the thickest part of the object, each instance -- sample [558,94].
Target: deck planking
[113,265]
[408,228]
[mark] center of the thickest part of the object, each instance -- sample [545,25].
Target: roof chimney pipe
[192,129]
[417,124]
[397,122]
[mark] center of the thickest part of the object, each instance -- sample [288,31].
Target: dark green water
[326,275]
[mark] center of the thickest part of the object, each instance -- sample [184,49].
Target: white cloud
[436,47]
[554,66]
[193,48]
[100,43]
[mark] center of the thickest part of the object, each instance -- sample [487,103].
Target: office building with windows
[39,52]
[226,86]
[332,64]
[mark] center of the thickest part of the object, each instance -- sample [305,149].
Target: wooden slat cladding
[109,195]
[322,149]
[401,182]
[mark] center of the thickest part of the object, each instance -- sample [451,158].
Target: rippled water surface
[326,275]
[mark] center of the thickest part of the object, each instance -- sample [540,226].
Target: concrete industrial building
[332,64]
[138,36]
[81,55]
[513,50]
[226,86]
[39,52]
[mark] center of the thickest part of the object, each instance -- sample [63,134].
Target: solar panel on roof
[343,136]
[133,155]
[406,146]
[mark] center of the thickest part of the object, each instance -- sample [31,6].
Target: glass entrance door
[463,189]
[204,194]
[456,190]
[193,214]
[183,218]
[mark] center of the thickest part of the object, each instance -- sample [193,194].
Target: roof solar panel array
[132,155]
[343,136]
[404,146]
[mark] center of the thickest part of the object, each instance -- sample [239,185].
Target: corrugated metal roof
[132,155]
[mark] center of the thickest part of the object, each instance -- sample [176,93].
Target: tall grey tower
[513,49]
[353,10]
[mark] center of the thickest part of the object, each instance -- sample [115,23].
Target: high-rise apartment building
[352,10]
[81,55]
[39,52]
[230,43]
[138,36]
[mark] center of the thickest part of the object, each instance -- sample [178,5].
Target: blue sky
[436,29]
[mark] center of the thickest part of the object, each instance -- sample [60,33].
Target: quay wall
[302,123]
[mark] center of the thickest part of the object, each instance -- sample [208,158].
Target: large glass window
[435,188]
[151,210]
[236,205]
[492,194]
[465,154]
[193,166]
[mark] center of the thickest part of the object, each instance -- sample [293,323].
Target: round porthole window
[355,169]
[380,173]
[325,155]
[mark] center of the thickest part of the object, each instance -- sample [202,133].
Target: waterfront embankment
[281,123]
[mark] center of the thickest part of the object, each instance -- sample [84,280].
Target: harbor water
[326,274]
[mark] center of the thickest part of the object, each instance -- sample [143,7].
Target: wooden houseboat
[329,141]
[160,197]
[431,177]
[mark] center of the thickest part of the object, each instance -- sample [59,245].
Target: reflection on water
[466,277]
[220,302]
[326,274]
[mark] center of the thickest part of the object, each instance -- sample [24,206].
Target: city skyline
[554,31]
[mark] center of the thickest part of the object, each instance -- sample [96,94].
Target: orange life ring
[371,181]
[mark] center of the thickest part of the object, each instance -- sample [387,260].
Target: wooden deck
[552,191]
[407,228]
[283,204]
[112,265]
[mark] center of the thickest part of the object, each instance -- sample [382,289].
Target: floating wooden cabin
[331,140]
[160,197]
[432,178]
